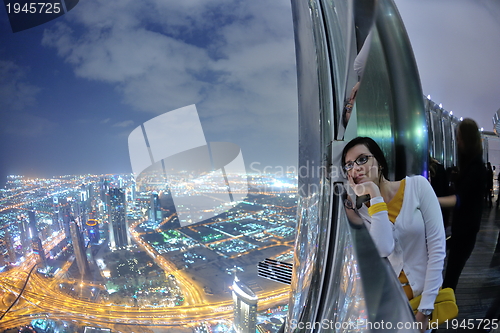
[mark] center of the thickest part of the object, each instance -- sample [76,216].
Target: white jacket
[416,242]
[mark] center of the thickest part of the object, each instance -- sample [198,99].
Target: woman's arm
[381,228]
[448,201]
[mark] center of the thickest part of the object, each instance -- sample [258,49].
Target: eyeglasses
[359,161]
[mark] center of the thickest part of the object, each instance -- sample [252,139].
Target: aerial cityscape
[107,253]
[86,245]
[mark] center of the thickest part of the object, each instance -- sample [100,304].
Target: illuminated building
[56,214]
[155,208]
[66,218]
[11,253]
[104,189]
[245,307]
[36,244]
[92,227]
[119,236]
[132,191]
[24,233]
[33,231]
[79,249]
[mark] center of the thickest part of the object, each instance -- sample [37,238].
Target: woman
[404,220]
[467,201]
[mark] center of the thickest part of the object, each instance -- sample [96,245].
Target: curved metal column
[315,134]
[410,134]
[338,274]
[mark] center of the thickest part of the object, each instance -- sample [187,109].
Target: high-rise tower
[119,235]
[33,230]
[56,215]
[245,307]
[79,248]
[155,208]
[9,244]
[92,227]
[38,250]
[66,218]
[24,234]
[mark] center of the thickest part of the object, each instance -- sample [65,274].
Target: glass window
[149,163]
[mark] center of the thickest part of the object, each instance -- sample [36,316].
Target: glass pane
[149,163]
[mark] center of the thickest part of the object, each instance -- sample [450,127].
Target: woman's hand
[421,318]
[361,189]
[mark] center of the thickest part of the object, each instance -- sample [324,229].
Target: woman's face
[369,171]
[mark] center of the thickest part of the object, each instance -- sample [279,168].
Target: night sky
[457,47]
[73,89]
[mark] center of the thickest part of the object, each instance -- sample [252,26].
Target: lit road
[193,293]
[44,297]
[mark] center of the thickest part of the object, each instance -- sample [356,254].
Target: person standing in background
[467,200]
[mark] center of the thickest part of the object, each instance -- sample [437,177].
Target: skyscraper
[104,188]
[245,307]
[104,193]
[9,244]
[92,227]
[66,218]
[155,208]
[56,215]
[132,190]
[33,230]
[36,244]
[119,235]
[24,235]
[79,248]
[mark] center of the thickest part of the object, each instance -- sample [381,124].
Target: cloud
[22,124]
[234,60]
[16,93]
[126,123]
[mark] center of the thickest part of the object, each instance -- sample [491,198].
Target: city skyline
[83,275]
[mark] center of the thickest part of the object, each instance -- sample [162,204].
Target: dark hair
[374,149]
[471,144]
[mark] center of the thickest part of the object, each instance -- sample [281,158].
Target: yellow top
[393,208]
